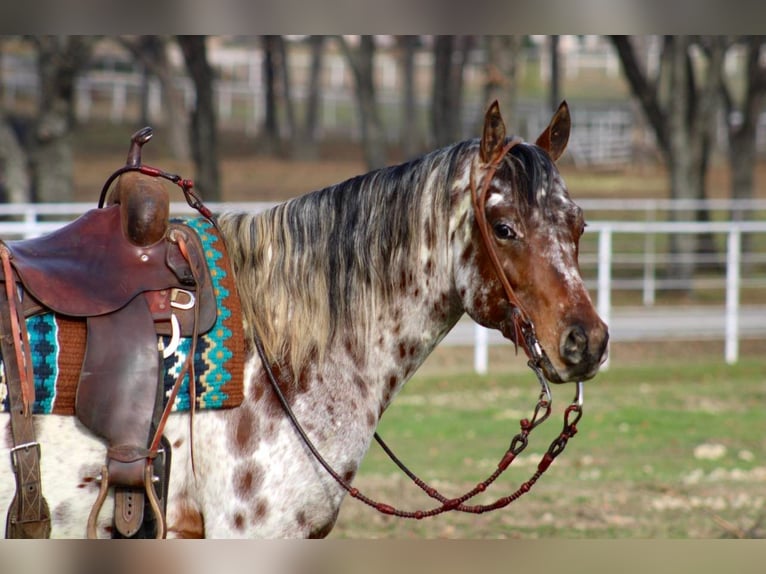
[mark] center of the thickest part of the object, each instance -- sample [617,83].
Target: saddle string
[526,335]
[188,368]
[186,186]
[19,334]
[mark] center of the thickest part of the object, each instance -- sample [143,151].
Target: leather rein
[524,333]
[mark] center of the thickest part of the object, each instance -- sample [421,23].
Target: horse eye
[504,231]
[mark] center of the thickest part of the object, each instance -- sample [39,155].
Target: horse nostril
[574,343]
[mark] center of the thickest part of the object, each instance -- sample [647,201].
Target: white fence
[719,321]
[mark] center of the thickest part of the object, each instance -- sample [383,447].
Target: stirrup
[151,493]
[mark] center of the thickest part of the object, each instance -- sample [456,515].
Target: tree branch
[643,89]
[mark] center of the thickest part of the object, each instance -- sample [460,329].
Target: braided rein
[526,335]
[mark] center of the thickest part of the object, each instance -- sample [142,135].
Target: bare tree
[151,53]
[501,72]
[286,90]
[14,173]
[59,60]
[409,133]
[270,135]
[742,121]
[554,96]
[360,59]
[306,144]
[680,106]
[279,127]
[203,125]
[450,54]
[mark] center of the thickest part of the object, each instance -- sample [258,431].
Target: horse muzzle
[581,352]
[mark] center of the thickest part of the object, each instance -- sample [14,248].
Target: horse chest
[255,476]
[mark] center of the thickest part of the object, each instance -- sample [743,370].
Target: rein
[525,334]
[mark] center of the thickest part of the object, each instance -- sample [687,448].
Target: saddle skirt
[57,344]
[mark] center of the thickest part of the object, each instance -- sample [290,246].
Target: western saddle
[131,274]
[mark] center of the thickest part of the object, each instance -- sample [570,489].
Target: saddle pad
[57,346]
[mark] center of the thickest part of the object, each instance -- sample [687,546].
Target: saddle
[131,274]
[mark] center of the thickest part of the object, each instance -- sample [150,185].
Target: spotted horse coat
[350,288]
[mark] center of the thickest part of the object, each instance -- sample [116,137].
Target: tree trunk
[409,131]
[502,54]
[60,59]
[683,176]
[446,110]
[14,175]
[742,131]
[742,134]
[271,139]
[644,90]
[555,93]
[286,91]
[151,52]
[203,129]
[373,135]
[306,146]
[683,123]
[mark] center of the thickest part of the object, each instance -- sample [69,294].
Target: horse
[349,288]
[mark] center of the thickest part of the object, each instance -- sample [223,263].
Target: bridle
[524,333]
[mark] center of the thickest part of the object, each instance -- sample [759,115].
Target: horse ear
[493,137]
[555,137]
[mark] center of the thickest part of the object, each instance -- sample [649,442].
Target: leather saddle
[131,275]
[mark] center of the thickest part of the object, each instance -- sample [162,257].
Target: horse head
[516,251]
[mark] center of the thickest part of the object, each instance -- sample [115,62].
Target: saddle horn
[144,202]
[137,141]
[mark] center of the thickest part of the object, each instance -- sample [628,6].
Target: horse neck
[357,276]
[405,327]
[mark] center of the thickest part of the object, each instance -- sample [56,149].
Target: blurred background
[666,153]
[666,157]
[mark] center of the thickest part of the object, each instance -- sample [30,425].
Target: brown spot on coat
[350,472]
[61,512]
[243,431]
[239,522]
[189,523]
[360,383]
[247,479]
[260,509]
[467,254]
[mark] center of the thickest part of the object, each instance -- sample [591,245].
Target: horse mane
[530,169]
[330,261]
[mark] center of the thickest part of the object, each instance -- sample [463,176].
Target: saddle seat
[90,268]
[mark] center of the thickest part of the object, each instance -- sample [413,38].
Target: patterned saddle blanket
[57,346]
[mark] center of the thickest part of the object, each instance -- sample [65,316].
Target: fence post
[650,267]
[480,349]
[733,245]
[604,296]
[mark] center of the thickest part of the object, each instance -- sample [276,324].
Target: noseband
[525,333]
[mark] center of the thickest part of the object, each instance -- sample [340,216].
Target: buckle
[24,446]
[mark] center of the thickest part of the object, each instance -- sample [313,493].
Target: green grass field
[664,450]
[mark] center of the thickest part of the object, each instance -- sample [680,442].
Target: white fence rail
[729,320]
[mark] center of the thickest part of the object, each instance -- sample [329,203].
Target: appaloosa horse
[350,288]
